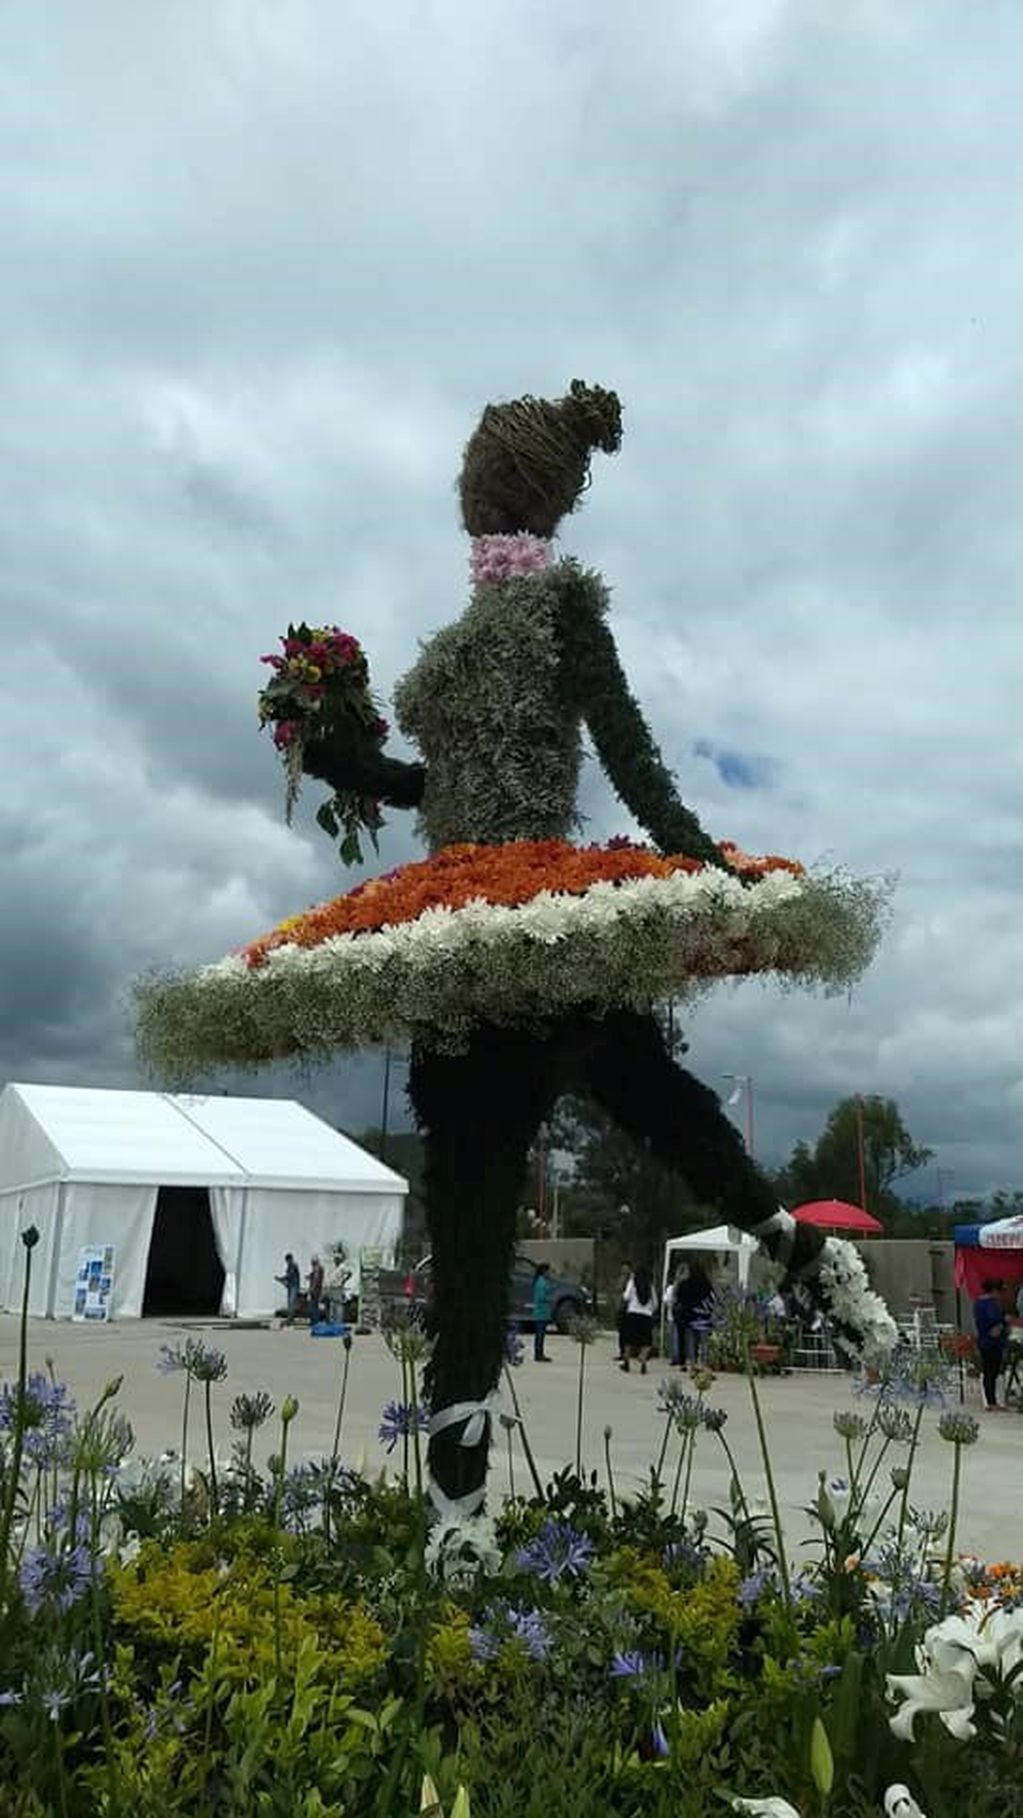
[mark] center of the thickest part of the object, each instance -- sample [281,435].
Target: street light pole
[744,1087]
[859,1153]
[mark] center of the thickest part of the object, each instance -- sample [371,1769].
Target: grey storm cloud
[264,262]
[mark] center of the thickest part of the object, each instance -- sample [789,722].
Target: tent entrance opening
[184,1273]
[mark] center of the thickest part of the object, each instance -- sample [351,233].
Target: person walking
[541,1310]
[638,1325]
[691,1306]
[314,1290]
[672,1327]
[623,1281]
[990,1325]
[290,1281]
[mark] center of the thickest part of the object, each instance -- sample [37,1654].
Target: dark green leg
[628,1069]
[479,1112]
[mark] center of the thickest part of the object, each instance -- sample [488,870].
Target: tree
[832,1169]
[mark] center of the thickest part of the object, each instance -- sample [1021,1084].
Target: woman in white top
[640,1304]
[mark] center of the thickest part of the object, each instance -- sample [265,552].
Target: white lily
[899,1803]
[949,1694]
[766,1808]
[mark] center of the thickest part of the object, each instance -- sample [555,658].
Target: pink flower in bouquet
[285,733]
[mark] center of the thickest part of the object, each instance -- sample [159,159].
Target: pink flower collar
[503,558]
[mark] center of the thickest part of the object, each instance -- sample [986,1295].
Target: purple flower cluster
[46,1411]
[55,1579]
[400,1419]
[633,1664]
[529,1628]
[558,1551]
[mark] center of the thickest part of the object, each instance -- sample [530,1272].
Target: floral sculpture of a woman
[521,965]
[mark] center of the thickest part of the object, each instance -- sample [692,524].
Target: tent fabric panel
[26,1152]
[1002,1234]
[307,1223]
[720,1240]
[130,1136]
[227,1211]
[37,1205]
[277,1142]
[974,1266]
[122,1216]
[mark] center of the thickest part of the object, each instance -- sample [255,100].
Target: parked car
[568,1299]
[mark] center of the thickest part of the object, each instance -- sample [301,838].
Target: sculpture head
[527,463]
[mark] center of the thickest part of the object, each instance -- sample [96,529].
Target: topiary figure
[519,964]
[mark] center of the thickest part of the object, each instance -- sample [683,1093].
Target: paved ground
[798,1411]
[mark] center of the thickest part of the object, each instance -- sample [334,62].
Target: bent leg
[632,1076]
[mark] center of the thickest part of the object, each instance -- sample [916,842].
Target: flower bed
[521,932]
[184,1637]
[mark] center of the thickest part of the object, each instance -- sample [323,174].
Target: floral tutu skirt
[517,933]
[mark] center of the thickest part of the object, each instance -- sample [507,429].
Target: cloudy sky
[265,260]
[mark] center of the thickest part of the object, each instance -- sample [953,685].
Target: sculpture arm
[597,686]
[368,773]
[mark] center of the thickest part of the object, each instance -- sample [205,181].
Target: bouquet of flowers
[320,690]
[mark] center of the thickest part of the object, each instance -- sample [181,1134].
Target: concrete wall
[908,1270]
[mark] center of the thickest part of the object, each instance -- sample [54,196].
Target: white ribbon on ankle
[476,1415]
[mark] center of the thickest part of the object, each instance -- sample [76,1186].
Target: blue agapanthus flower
[530,1628]
[631,1663]
[55,1580]
[400,1419]
[483,1643]
[753,1588]
[46,1412]
[558,1551]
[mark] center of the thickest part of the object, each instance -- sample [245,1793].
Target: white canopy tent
[87,1167]
[721,1241]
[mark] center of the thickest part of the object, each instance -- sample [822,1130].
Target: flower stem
[904,1505]
[684,1451]
[659,1467]
[610,1476]
[214,1496]
[417,1451]
[579,1413]
[765,1453]
[184,1437]
[511,1465]
[17,1448]
[736,1479]
[336,1447]
[526,1447]
[946,1582]
[278,1502]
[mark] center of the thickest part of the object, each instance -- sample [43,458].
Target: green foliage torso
[496,705]
[486,706]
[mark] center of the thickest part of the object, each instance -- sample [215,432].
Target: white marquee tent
[90,1167]
[720,1240]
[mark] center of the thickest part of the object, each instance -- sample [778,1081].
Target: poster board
[94,1282]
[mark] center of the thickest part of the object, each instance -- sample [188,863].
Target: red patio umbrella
[837,1215]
